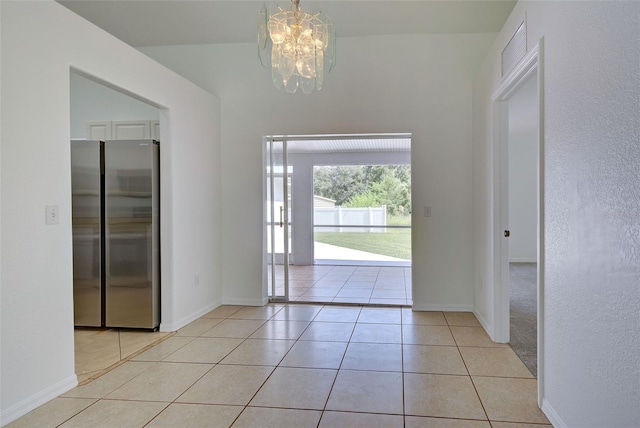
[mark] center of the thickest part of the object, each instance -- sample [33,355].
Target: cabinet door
[99,131]
[123,130]
[131,130]
[155,130]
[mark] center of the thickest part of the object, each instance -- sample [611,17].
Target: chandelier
[298,44]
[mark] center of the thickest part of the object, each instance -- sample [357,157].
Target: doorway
[302,222]
[522,154]
[99,112]
[362,214]
[519,213]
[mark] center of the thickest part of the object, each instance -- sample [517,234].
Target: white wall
[523,178]
[40,42]
[591,363]
[92,102]
[419,84]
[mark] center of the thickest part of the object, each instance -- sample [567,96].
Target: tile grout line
[467,369]
[332,299]
[114,366]
[77,413]
[404,395]
[296,341]
[324,409]
[244,407]
[274,367]
[193,383]
[226,355]
[265,381]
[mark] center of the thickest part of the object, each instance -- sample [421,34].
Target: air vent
[515,49]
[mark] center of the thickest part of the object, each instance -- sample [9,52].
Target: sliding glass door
[278,218]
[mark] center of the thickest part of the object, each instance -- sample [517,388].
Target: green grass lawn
[393,243]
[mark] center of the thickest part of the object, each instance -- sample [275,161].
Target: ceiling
[382,143]
[177,22]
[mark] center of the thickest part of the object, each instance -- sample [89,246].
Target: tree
[339,183]
[366,199]
[391,192]
[366,186]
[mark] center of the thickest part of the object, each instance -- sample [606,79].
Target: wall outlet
[196,279]
[52,214]
[427,211]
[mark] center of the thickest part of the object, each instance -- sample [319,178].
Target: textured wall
[591,365]
[592,288]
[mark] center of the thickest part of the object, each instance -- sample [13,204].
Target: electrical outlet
[196,279]
[427,211]
[52,214]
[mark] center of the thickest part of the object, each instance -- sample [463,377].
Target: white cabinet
[155,129]
[99,131]
[124,130]
[131,130]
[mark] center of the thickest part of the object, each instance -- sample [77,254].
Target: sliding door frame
[283,215]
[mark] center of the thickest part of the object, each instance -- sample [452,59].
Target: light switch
[427,211]
[51,212]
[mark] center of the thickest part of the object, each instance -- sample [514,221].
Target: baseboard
[523,260]
[246,302]
[443,308]
[484,323]
[175,326]
[552,415]
[25,406]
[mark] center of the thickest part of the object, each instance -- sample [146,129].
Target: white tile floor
[347,284]
[99,349]
[309,366]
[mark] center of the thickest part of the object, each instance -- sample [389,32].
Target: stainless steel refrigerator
[116,233]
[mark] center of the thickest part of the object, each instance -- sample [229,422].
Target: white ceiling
[177,22]
[349,144]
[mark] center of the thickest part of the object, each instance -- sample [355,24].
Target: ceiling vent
[515,49]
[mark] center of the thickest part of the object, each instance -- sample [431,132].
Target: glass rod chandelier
[298,44]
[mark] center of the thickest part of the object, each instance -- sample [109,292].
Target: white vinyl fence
[361,218]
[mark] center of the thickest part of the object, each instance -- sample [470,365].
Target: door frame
[269,183]
[267,186]
[531,64]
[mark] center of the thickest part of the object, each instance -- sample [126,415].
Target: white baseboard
[523,260]
[246,302]
[552,415]
[25,406]
[443,308]
[484,323]
[175,326]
